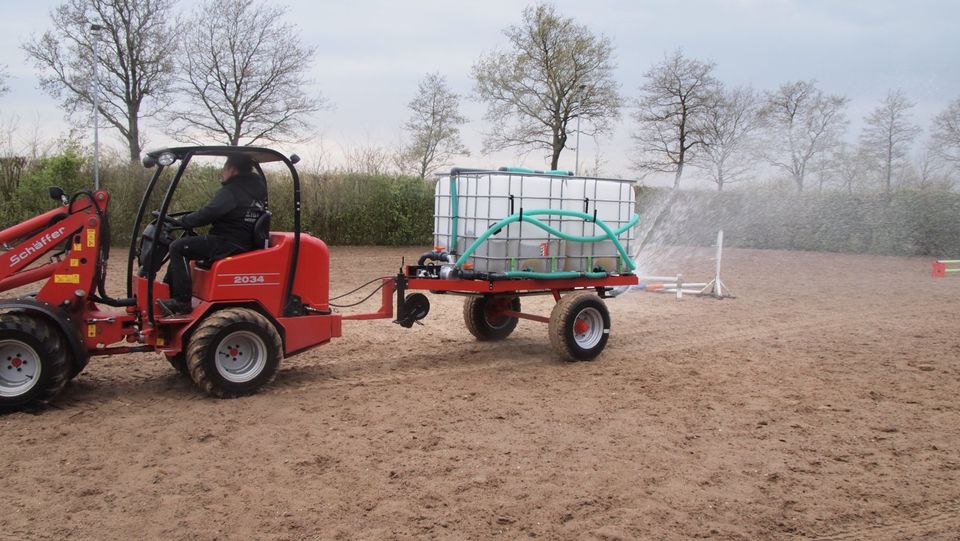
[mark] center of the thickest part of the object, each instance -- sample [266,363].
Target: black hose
[439,257]
[104,255]
[365,299]
[357,289]
[477,275]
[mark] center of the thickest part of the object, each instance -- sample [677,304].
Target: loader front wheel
[234,352]
[33,362]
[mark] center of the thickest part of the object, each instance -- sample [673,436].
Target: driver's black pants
[209,247]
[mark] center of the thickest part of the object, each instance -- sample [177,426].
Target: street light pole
[95,32]
[576,163]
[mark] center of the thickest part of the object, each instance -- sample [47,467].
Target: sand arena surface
[820,403]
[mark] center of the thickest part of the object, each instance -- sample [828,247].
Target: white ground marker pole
[716,286]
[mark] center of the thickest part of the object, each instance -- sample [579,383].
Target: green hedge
[910,223]
[341,208]
[352,208]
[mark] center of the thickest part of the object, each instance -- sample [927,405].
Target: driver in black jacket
[232,214]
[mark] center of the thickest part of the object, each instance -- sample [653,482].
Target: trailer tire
[234,352]
[483,322]
[34,366]
[579,326]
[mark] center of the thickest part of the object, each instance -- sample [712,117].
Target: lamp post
[95,32]
[576,163]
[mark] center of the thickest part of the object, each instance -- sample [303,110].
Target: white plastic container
[486,197]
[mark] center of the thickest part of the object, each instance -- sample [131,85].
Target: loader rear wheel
[234,352]
[485,319]
[579,326]
[33,362]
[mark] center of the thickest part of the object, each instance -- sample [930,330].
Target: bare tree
[847,165]
[927,172]
[888,134]
[729,132]
[368,158]
[434,128]
[4,88]
[945,139]
[555,72]
[803,124]
[243,75]
[671,113]
[135,61]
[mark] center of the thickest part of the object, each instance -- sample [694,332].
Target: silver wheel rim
[588,328]
[19,368]
[505,320]
[241,356]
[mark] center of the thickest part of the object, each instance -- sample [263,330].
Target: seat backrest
[261,231]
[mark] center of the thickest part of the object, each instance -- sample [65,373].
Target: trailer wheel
[33,362]
[485,319]
[579,326]
[234,352]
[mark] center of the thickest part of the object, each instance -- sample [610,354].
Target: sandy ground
[820,403]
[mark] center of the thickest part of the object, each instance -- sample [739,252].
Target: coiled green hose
[528,216]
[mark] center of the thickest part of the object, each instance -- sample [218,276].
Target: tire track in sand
[356,373]
[941,519]
[144,390]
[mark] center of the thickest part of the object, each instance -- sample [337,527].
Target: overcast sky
[371,54]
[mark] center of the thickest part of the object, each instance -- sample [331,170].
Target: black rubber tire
[75,366]
[202,351]
[179,363]
[479,323]
[48,344]
[563,319]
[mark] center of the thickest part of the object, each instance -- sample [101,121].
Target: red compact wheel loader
[249,310]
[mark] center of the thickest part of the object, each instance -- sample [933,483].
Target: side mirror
[57,194]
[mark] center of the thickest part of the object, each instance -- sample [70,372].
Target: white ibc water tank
[483,198]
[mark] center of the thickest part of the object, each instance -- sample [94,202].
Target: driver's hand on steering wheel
[175,222]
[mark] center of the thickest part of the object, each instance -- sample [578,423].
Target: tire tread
[203,339]
[561,341]
[475,319]
[54,358]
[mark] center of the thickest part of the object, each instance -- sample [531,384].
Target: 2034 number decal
[249,279]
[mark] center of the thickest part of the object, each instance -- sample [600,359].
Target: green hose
[555,275]
[528,216]
[526,170]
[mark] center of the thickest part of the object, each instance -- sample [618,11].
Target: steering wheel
[171,227]
[172,222]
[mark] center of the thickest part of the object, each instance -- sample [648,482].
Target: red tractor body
[268,303]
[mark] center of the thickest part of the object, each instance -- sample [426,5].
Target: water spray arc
[675,284]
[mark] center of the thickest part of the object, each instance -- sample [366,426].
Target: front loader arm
[77,226]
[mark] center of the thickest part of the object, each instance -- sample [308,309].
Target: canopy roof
[257,154]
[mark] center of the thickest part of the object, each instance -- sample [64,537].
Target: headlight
[166,159]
